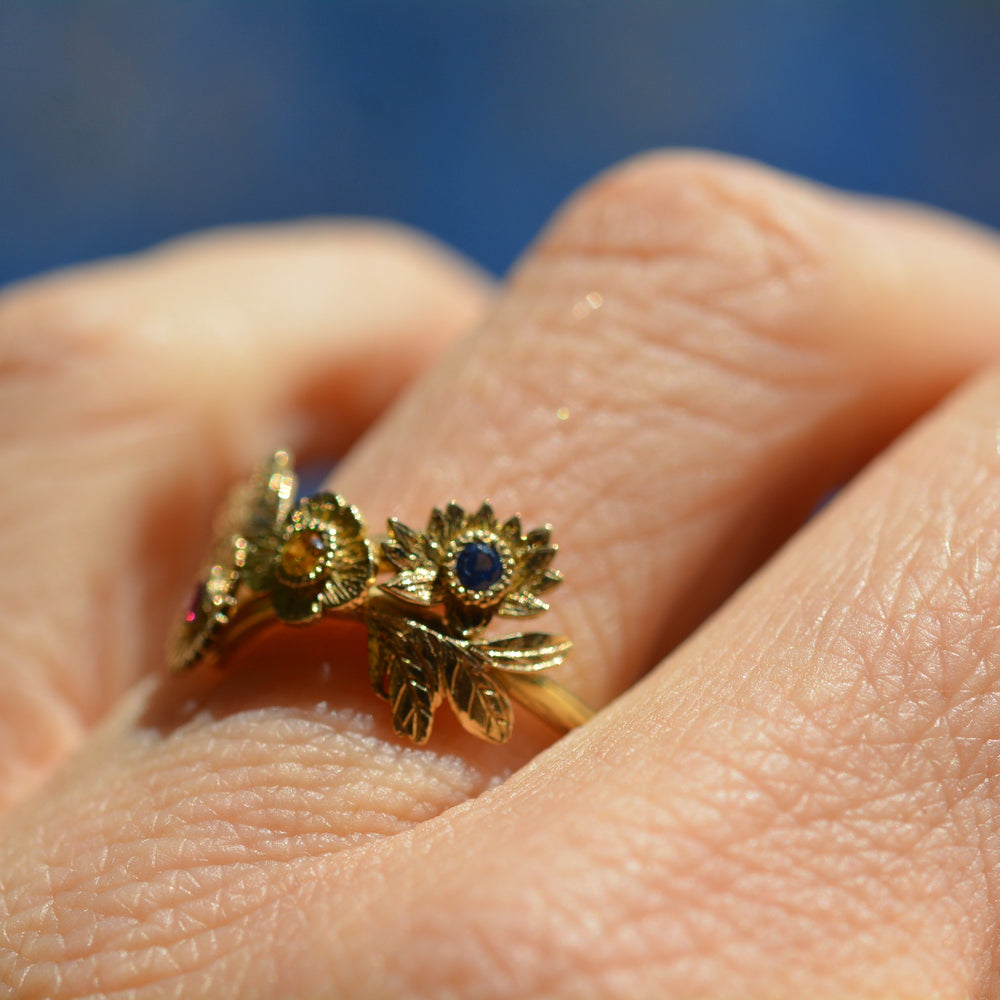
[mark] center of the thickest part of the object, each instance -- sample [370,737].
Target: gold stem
[547,699]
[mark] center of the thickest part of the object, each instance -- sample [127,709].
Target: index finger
[134,391]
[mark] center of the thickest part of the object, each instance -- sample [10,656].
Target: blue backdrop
[122,123]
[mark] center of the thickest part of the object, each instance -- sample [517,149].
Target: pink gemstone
[195,604]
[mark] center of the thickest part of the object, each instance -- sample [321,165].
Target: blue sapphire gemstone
[478,566]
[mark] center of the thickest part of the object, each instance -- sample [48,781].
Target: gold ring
[426,598]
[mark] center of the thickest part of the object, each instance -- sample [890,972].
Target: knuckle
[682,236]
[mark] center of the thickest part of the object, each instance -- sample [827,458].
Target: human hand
[797,801]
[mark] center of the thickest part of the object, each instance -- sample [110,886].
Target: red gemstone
[195,604]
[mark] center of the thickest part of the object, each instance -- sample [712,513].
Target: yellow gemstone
[304,552]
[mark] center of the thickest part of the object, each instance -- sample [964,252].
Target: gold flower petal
[538,537]
[454,519]
[245,540]
[255,512]
[484,519]
[437,529]
[511,530]
[323,561]
[410,541]
[536,562]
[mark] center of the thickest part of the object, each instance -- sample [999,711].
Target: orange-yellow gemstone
[304,552]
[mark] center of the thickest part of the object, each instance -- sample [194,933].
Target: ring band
[425,596]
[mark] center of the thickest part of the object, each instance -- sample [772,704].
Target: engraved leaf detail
[413,695]
[412,666]
[479,701]
[526,652]
[404,668]
[417,586]
[521,604]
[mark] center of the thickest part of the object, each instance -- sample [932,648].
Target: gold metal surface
[277,560]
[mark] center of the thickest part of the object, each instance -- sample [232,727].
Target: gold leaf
[521,604]
[414,694]
[479,701]
[403,666]
[415,586]
[378,664]
[524,652]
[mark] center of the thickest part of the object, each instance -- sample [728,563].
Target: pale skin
[798,796]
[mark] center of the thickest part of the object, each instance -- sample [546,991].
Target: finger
[133,391]
[296,789]
[800,802]
[693,353]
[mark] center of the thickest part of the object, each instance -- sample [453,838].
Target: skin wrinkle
[659,205]
[920,594]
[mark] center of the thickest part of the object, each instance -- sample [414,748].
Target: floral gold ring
[426,598]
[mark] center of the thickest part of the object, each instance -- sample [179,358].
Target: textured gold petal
[549,579]
[437,529]
[484,519]
[454,520]
[539,537]
[511,531]
[352,572]
[256,512]
[536,562]
[336,511]
[410,541]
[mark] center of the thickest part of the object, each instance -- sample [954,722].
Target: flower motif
[307,558]
[472,565]
[239,558]
[462,569]
[321,560]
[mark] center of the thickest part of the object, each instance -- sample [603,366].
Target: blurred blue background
[122,123]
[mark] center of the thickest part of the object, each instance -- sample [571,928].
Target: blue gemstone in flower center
[478,566]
